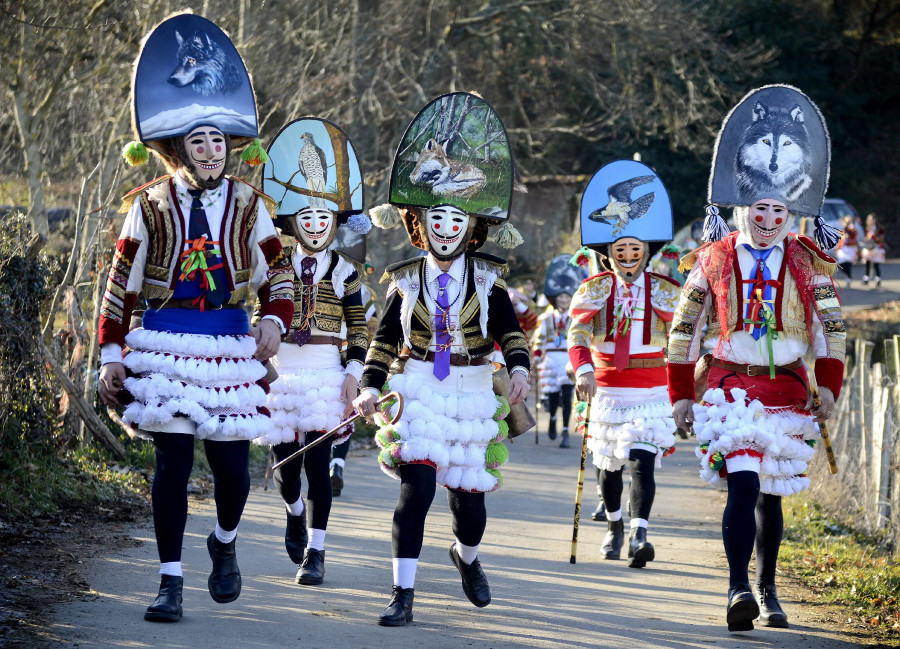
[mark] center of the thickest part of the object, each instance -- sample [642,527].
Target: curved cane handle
[393,395]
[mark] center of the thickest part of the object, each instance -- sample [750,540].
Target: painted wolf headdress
[562,277]
[190,74]
[773,144]
[454,152]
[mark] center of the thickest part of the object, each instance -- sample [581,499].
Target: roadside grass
[843,567]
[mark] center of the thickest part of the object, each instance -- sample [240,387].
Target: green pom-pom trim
[496,455]
[496,473]
[580,407]
[502,410]
[811,442]
[255,154]
[135,153]
[503,431]
[386,457]
[716,461]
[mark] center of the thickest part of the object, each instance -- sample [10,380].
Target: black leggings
[751,518]
[340,451]
[417,489]
[869,266]
[288,483]
[847,268]
[230,464]
[563,397]
[643,486]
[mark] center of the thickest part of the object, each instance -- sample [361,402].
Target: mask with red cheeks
[447,231]
[628,258]
[765,223]
[315,228]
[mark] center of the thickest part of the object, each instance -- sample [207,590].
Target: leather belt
[557,350]
[757,370]
[189,303]
[460,360]
[634,363]
[315,340]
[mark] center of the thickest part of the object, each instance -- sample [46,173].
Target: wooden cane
[829,452]
[580,488]
[269,459]
[344,424]
[537,401]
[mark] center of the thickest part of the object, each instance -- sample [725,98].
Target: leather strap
[460,360]
[757,370]
[634,363]
[315,340]
[188,303]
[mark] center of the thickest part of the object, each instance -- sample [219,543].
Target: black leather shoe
[564,442]
[167,605]
[770,611]
[551,432]
[225,579]
[296,536]
[612,542]
[474,583]
[639,550]
[312,568]
[742,608]
[337,480]
[599,514]
[399,611]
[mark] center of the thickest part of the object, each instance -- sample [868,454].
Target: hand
[268,338]
[364,404]
[518,388]
[826,405]
[683,413]
[585,385]
[112,378]
[348,393]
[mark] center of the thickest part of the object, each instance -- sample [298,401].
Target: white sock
[171,568]
[295,509]
[638,522]
[337,460]
[405,572]
[612,517]
[466,552]
[316,539]
[223,536]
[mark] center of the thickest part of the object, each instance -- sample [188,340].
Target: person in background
[873,250]
[847,249]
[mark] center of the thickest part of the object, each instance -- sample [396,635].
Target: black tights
[287,478]
[751,518]
[643,486]
[230,464]
[847,268]
[870,265]
[417,489]
[562,397]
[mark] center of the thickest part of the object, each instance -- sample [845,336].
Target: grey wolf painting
[204,66]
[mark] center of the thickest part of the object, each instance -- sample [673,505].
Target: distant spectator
[847,249]
[873,249]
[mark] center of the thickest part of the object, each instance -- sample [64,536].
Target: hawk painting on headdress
[621,209]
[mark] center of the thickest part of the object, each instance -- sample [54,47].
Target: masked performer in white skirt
[768,298]
[448,308]
[313,172]
[193,243]
[617,345]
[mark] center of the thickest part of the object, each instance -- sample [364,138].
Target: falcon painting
[621,209]
[314,169]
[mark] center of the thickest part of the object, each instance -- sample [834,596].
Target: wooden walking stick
[269,459]
[580,488]
[537,402]
[344,424]
[829,452]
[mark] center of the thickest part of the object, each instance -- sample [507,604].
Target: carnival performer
[448,308]
[314,391]
[847,249]
[873,250]
[617,345]
[194,242]
[768,299]
[560,283]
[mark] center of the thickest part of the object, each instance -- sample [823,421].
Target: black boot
[742,608]
[399,611]
[474,583]
[296,536]
[612,542]
[599,514]
[770,612]
[225,579]
[337,480]
[564,443]
[167,605]
[639,550]
[312,568]
[551,432]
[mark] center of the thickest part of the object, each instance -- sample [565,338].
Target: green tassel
[580,407]
[496,455]
[503,431]
[502,408]
[496,473]
[508,237]
[255,154]
[135,153]
[581,258]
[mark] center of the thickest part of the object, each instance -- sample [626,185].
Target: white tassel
[386,217]
[714,226]
[508,237]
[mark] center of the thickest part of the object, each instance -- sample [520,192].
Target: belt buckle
[750,370]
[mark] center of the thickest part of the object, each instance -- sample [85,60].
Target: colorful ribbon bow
[194,259]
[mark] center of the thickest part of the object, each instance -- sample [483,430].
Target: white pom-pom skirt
[552,371]
[738,433]
[209,386]
[306,396]
[449,424]
[626,418]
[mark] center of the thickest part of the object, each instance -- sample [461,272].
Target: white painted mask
[765,223]
[447,228]
[207,152]
[315,228]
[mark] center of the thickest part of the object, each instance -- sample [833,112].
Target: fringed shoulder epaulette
[401,267]
[687,261]
[129,198]
[822,262]
[267,200]
[358,266]
[497,264]
[665,278]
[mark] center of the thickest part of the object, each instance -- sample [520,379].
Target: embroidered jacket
[806,312]
[486,315]
[552,330]
[594,314]
[148,253]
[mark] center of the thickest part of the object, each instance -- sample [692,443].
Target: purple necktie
[307,270]
[441,333]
